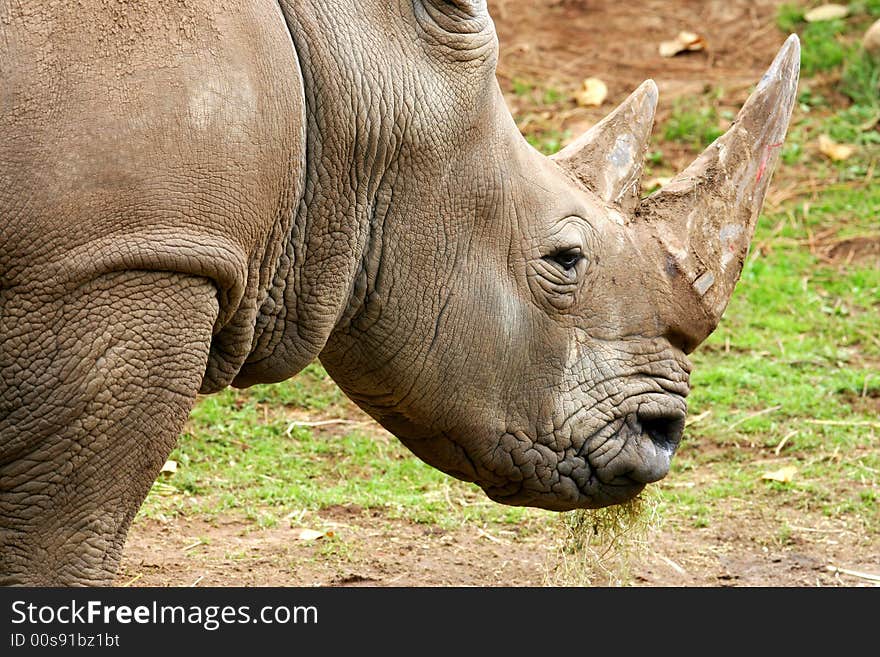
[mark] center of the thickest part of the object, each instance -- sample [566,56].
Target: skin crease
[243,186]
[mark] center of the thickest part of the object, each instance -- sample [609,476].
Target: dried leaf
[304,534]
[170,467]
[684,42]
[833,150]
[826,13]
[670,48]
[692,41]
[593,93]
[784,475]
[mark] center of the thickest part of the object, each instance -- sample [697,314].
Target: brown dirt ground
[365,548]
[564,41]
[561,42]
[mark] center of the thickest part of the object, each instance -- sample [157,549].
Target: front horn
[703,220]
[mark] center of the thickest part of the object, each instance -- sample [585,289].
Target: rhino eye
[567,259]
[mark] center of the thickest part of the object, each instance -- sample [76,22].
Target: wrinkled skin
[243,188]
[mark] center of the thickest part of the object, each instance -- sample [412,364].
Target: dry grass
[598,547]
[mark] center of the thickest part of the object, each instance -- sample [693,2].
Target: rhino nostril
[664,431]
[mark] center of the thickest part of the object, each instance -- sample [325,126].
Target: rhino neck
[352,131]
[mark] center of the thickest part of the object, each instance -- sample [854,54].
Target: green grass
[822,47]
[851,125]
[240,454]
[865,8]
[695,124]
[829,45]
[860,79]
[796,357]
[547,141]
[843,101]
[536,102]
[790,17]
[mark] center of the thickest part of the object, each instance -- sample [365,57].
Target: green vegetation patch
[269,452]
[791,374]
[696,125]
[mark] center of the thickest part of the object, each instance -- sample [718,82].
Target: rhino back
[154,136]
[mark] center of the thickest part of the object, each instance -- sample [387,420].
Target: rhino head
[522,321]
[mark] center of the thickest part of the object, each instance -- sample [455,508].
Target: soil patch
[564,41]
[745,546]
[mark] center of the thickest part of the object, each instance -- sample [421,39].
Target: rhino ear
[608,158]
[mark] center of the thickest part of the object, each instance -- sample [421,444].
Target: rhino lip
[592,494]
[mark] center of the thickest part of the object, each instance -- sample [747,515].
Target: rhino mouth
[580,465]
[610,465]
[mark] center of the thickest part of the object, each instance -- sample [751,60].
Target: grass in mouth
[598,547]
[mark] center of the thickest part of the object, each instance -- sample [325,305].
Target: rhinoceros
[210,193]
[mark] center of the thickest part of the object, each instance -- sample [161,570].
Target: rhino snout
[658,437]
[637,447]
